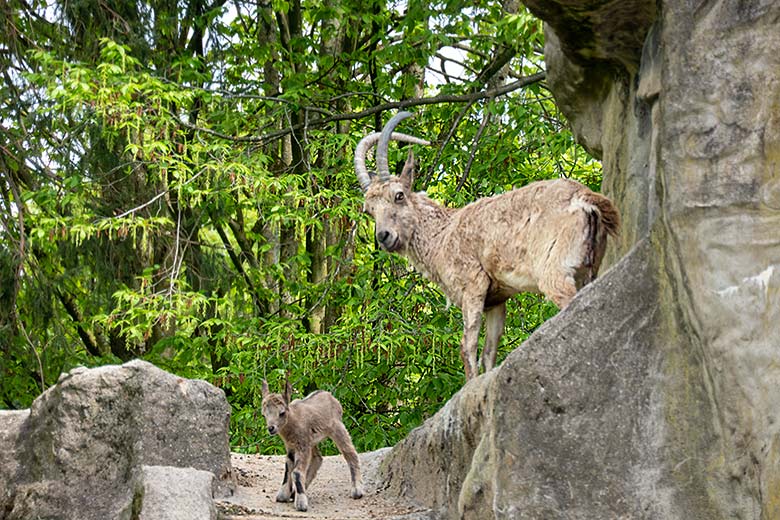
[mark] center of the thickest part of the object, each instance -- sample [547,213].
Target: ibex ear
[287,392]
[372,175]
[407,174]
[264,388]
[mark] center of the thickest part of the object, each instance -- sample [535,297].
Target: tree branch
[73,311]
[395,105]
[259,304]
[485,120]
[495,65]
[446,140]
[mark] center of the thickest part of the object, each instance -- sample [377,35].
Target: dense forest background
[176,184]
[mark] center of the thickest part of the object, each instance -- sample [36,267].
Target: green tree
[177,185]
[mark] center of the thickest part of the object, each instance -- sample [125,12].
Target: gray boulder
[79,451]
[174,494]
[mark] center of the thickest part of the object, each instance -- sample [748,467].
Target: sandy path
[259,478]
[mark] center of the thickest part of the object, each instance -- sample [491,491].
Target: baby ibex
[302,424]
[546,237]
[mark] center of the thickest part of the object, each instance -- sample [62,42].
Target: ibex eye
[281,414]
[399,197]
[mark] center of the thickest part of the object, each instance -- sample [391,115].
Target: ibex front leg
[286,491]
[472,320]
[494,329]
[300,469]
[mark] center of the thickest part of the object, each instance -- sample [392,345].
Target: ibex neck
[292,428]
[433,220]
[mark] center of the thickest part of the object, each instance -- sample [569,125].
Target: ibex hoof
[301,502]
[357,492]
[283,496]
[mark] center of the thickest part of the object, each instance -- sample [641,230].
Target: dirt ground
[259,478]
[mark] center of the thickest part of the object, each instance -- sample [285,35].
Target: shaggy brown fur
[302,425]
[547,237]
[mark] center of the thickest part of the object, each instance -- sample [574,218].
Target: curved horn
[365,144]
[360,160]
[382,168]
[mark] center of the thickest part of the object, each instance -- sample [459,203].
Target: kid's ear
[264,388]
[407,174]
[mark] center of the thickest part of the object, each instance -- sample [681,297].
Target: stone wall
[656,394]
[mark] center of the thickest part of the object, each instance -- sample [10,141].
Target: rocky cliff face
[656,394]
[116,442]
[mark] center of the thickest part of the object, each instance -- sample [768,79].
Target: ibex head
[275,407]
[388,197]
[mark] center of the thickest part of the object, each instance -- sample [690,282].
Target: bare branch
[475,144]
[153,199]
[447,139]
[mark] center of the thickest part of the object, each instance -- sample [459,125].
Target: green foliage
[177,186]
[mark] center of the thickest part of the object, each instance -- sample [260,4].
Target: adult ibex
[547,237]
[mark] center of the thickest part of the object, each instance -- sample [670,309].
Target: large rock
[550,432]
[656,394]
[79,452]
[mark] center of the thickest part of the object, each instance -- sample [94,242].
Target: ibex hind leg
[343,442]
[314,465]
[560,287]
[574,259]
[594,248]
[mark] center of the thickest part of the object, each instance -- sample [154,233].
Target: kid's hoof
[357,492]
[283,496]
[301,502]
